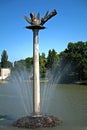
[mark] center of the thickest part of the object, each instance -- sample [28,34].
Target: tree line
[70,64]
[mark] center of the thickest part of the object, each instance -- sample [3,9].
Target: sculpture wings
[35,20]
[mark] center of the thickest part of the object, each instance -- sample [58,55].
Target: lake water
[67,102]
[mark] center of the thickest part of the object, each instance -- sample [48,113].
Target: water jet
[36,119]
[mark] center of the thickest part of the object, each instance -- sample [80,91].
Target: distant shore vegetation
[70,65]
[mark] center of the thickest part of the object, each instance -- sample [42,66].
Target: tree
[4,59]
[52,59]
[74,61]
[29,62]
[19,64]
[43,61]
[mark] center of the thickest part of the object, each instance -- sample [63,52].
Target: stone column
[36,80]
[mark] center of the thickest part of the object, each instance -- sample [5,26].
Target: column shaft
[36,80]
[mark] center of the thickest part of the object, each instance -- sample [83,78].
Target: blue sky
[69,25]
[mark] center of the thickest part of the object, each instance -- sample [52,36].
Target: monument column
[36,80]
[36,25]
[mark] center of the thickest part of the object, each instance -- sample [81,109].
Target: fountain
[36,119]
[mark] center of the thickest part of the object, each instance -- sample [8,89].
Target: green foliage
[71,64]
[19,64]
[9,65]
[29,62]
[75,57]
[52,59]
[4,60]
[42,62]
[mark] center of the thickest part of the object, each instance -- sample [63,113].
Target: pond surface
[67,102]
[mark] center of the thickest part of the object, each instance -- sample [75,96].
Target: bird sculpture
[35,20]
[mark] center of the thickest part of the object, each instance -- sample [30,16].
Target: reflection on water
[68,102]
